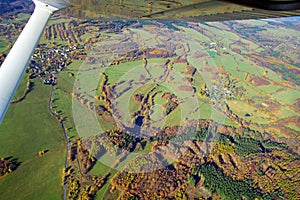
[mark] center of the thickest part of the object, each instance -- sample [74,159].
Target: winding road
[65,133]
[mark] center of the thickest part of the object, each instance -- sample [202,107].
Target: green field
[132,71]
[3,46]
[27,129]
[269,88]
[116,72]
[75,65]
[20,91]
[62,103]
[295,128]
[287,96]
[22,16]
[241,108]
[145,35]
[286,112]
[57,21]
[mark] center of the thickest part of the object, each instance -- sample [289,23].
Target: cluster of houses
[46,62]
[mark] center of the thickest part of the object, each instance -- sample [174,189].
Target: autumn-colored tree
[246,76]
[41,153]
[203,91]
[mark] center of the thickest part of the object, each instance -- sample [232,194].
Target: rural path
[65,133]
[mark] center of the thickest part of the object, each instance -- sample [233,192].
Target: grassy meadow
[27,129]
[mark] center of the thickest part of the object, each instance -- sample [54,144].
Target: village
[47,62]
